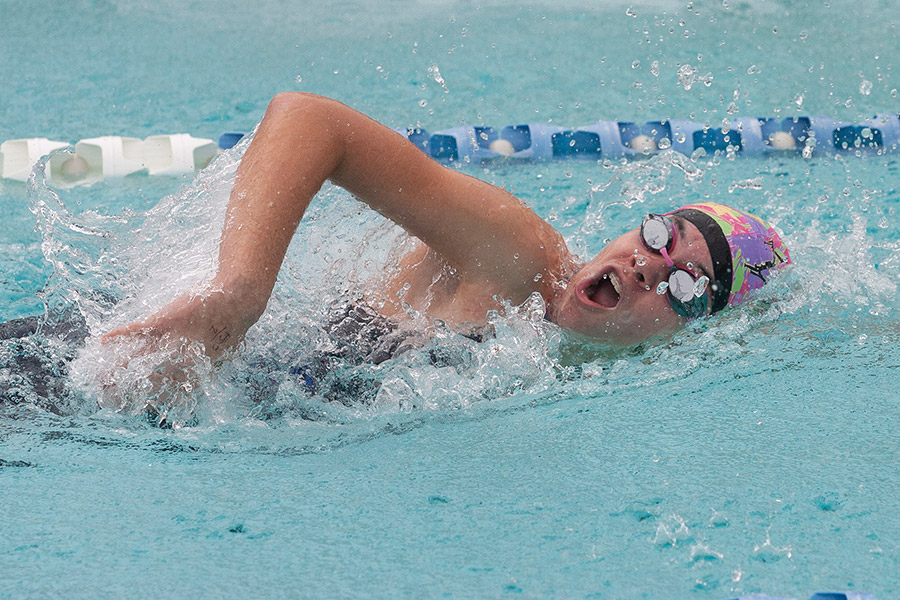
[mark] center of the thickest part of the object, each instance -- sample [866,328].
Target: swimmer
[475,242]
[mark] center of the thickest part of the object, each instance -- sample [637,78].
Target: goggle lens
[681,285]
[656,232]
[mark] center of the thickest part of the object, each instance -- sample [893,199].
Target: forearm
[296,148]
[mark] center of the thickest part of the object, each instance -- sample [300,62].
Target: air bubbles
[641,261]
[865,87]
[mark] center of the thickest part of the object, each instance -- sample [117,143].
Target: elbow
[290,105]
[290,100]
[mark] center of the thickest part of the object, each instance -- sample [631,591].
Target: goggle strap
[669,262]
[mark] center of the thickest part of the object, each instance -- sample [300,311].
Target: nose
[649,269]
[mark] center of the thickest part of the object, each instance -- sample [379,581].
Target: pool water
[755,452]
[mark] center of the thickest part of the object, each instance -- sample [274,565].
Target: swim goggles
[686,293]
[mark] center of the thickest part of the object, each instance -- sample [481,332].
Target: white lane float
[17,157]
[106,157]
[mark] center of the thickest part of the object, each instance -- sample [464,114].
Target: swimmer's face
[613,298]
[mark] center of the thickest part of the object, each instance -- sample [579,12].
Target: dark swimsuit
[33,368]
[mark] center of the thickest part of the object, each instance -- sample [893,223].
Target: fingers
[129,330]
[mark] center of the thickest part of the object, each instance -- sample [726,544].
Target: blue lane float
[745,136]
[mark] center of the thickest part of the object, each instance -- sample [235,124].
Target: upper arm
[482,230]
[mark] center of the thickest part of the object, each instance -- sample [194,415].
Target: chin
[614,327]
[611,332]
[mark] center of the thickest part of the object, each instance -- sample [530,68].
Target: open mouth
[605,292]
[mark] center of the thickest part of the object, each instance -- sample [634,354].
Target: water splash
[119,269]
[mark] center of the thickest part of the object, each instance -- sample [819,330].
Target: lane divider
[100,158]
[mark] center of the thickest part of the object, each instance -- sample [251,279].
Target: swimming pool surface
[755,452]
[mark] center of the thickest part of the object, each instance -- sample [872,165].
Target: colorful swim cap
[744,249]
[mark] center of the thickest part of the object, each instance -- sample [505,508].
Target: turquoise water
[754,453]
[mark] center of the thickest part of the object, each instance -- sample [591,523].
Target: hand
[214,318]
[160,362]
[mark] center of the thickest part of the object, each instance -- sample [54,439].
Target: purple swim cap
[744,249]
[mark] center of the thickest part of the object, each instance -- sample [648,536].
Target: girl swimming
[477,242]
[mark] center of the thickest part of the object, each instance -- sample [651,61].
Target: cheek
[654,313]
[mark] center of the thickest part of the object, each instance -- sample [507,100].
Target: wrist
[246,296]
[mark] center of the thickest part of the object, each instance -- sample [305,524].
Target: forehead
[691,245]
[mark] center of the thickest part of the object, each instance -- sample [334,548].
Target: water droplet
[865,87]
[630,12]
[700,286]
[664,143]
[641,261]
[687,76]
[662,287]
[635,251]
[647,287]
[654,68]
[423,102]
[636,64]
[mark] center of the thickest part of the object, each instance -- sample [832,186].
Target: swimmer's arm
[304,140]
